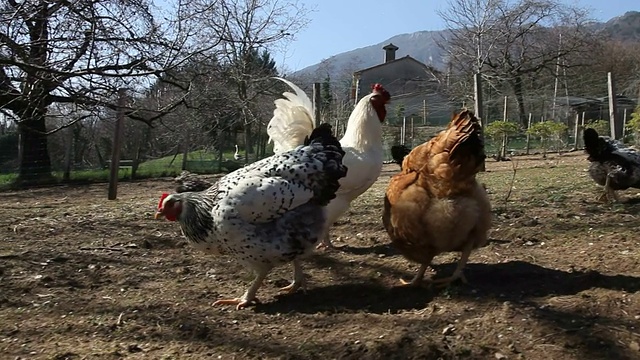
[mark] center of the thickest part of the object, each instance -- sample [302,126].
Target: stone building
[412,84]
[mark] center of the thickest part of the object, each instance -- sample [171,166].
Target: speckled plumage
[293,120]
[611,159]
[270,212]
[191,182]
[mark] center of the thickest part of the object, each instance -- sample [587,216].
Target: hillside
[422,45]
[625,27]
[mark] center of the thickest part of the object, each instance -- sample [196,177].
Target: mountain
[423,46]
[625,27]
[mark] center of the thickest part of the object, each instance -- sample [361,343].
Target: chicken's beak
[159,215]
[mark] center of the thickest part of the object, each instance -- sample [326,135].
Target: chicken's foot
[325,244]
[417,280]
[249,297]
[609,195]
[299,281]
[458,272]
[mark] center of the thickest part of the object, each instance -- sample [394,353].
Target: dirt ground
[86,278]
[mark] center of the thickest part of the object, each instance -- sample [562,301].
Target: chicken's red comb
[377,88]
[162,197]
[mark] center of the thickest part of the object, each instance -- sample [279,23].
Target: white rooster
[293,121]
[266,214]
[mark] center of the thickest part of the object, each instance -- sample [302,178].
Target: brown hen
[435,205]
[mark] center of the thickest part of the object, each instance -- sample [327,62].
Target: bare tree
[57,52]
[618,57]
[511,43]
[471,24]
[252,29]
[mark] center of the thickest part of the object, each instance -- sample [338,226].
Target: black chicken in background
[613,165]
[189,182]
[398,152]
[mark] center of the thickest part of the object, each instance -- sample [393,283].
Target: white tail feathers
[292,119]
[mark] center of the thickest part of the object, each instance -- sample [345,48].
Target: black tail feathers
[398,153]
[322,134]
[334,169]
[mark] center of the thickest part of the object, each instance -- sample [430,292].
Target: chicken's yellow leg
[611,194]
[608,195]
[249,296]
[325,244]
[458,272]
[298,279]
[417,280]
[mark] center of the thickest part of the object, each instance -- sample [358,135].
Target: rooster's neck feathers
[364,129]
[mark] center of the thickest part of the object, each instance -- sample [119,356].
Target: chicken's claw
[325,243]
[325,246]
[293,287]
[412,283]
[239,302]
[444,282]
[299,281]
[417,279]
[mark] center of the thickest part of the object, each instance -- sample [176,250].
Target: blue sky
[341,25]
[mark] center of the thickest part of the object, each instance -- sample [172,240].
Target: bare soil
[82,277]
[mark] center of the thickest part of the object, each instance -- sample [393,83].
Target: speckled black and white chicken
[188,181]
[266,214]
[613,165]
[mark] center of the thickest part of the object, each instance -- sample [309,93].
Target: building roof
[405,58]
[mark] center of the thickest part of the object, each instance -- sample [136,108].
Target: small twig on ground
[514,166]
[556,333]
[13,255]
[119,321]
[38,263]
[85,248]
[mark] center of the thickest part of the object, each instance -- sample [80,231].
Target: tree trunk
[68,157]
[220,147]
[248,139]
[103,163]
[186,145]
[518,91]
[76,139]
[35,164]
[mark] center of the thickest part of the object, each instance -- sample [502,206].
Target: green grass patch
[199,161]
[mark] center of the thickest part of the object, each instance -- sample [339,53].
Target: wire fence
[72,157]
[82,152]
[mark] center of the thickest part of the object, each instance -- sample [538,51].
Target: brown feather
[435,204]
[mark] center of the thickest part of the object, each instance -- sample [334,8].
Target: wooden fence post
[624,122]
[616,126]
[576,132]
[424,112]
[478,108]
[528,135]
[317,102]
[504,112]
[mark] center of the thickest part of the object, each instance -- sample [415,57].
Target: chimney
[389,52]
